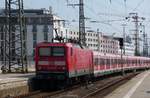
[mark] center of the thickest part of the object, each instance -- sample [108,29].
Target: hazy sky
[100,10]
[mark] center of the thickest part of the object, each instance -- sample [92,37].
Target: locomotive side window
[44,51]
[58,51]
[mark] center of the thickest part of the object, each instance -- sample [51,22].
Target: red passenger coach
[62,61]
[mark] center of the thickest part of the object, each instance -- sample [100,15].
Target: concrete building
[129,49]
[40,25]
[91,38]
[108,45]
[104,43]
[98,42]
[39,28]
[59,25]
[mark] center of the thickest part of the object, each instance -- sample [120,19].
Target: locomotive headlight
[60,63]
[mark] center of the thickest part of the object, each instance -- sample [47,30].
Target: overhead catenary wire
[138,5]
[93,12]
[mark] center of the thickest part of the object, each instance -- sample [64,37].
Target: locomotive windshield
[44,51]
[58,51]
[52,51]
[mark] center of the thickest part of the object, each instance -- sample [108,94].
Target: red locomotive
[63,61]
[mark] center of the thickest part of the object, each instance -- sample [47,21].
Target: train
[68,61]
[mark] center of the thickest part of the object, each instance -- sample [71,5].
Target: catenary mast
[14,36]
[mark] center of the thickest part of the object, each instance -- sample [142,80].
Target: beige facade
[91,39]
[98,42]
[108,45]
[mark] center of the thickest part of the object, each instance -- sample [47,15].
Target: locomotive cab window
[58,51]
[45,51]
[51,51]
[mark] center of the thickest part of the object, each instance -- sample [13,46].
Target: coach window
[119,61]
[132,61]
[96,61]
[102,61]
[99,61]
[140,62]
[107,61]
[128,62]
[137,61]
[113,61]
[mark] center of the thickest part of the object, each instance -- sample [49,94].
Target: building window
[34,36]
[1,29]
[13,28]
[34,28]
[45,28]
[61,32]
[46,36]
[33,52]
[34,44]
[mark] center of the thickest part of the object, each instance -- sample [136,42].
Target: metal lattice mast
[136,18]
[145,43]
[82,38]
[15,55]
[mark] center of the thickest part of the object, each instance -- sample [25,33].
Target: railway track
[42,94]
[109,87]
[98,88]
